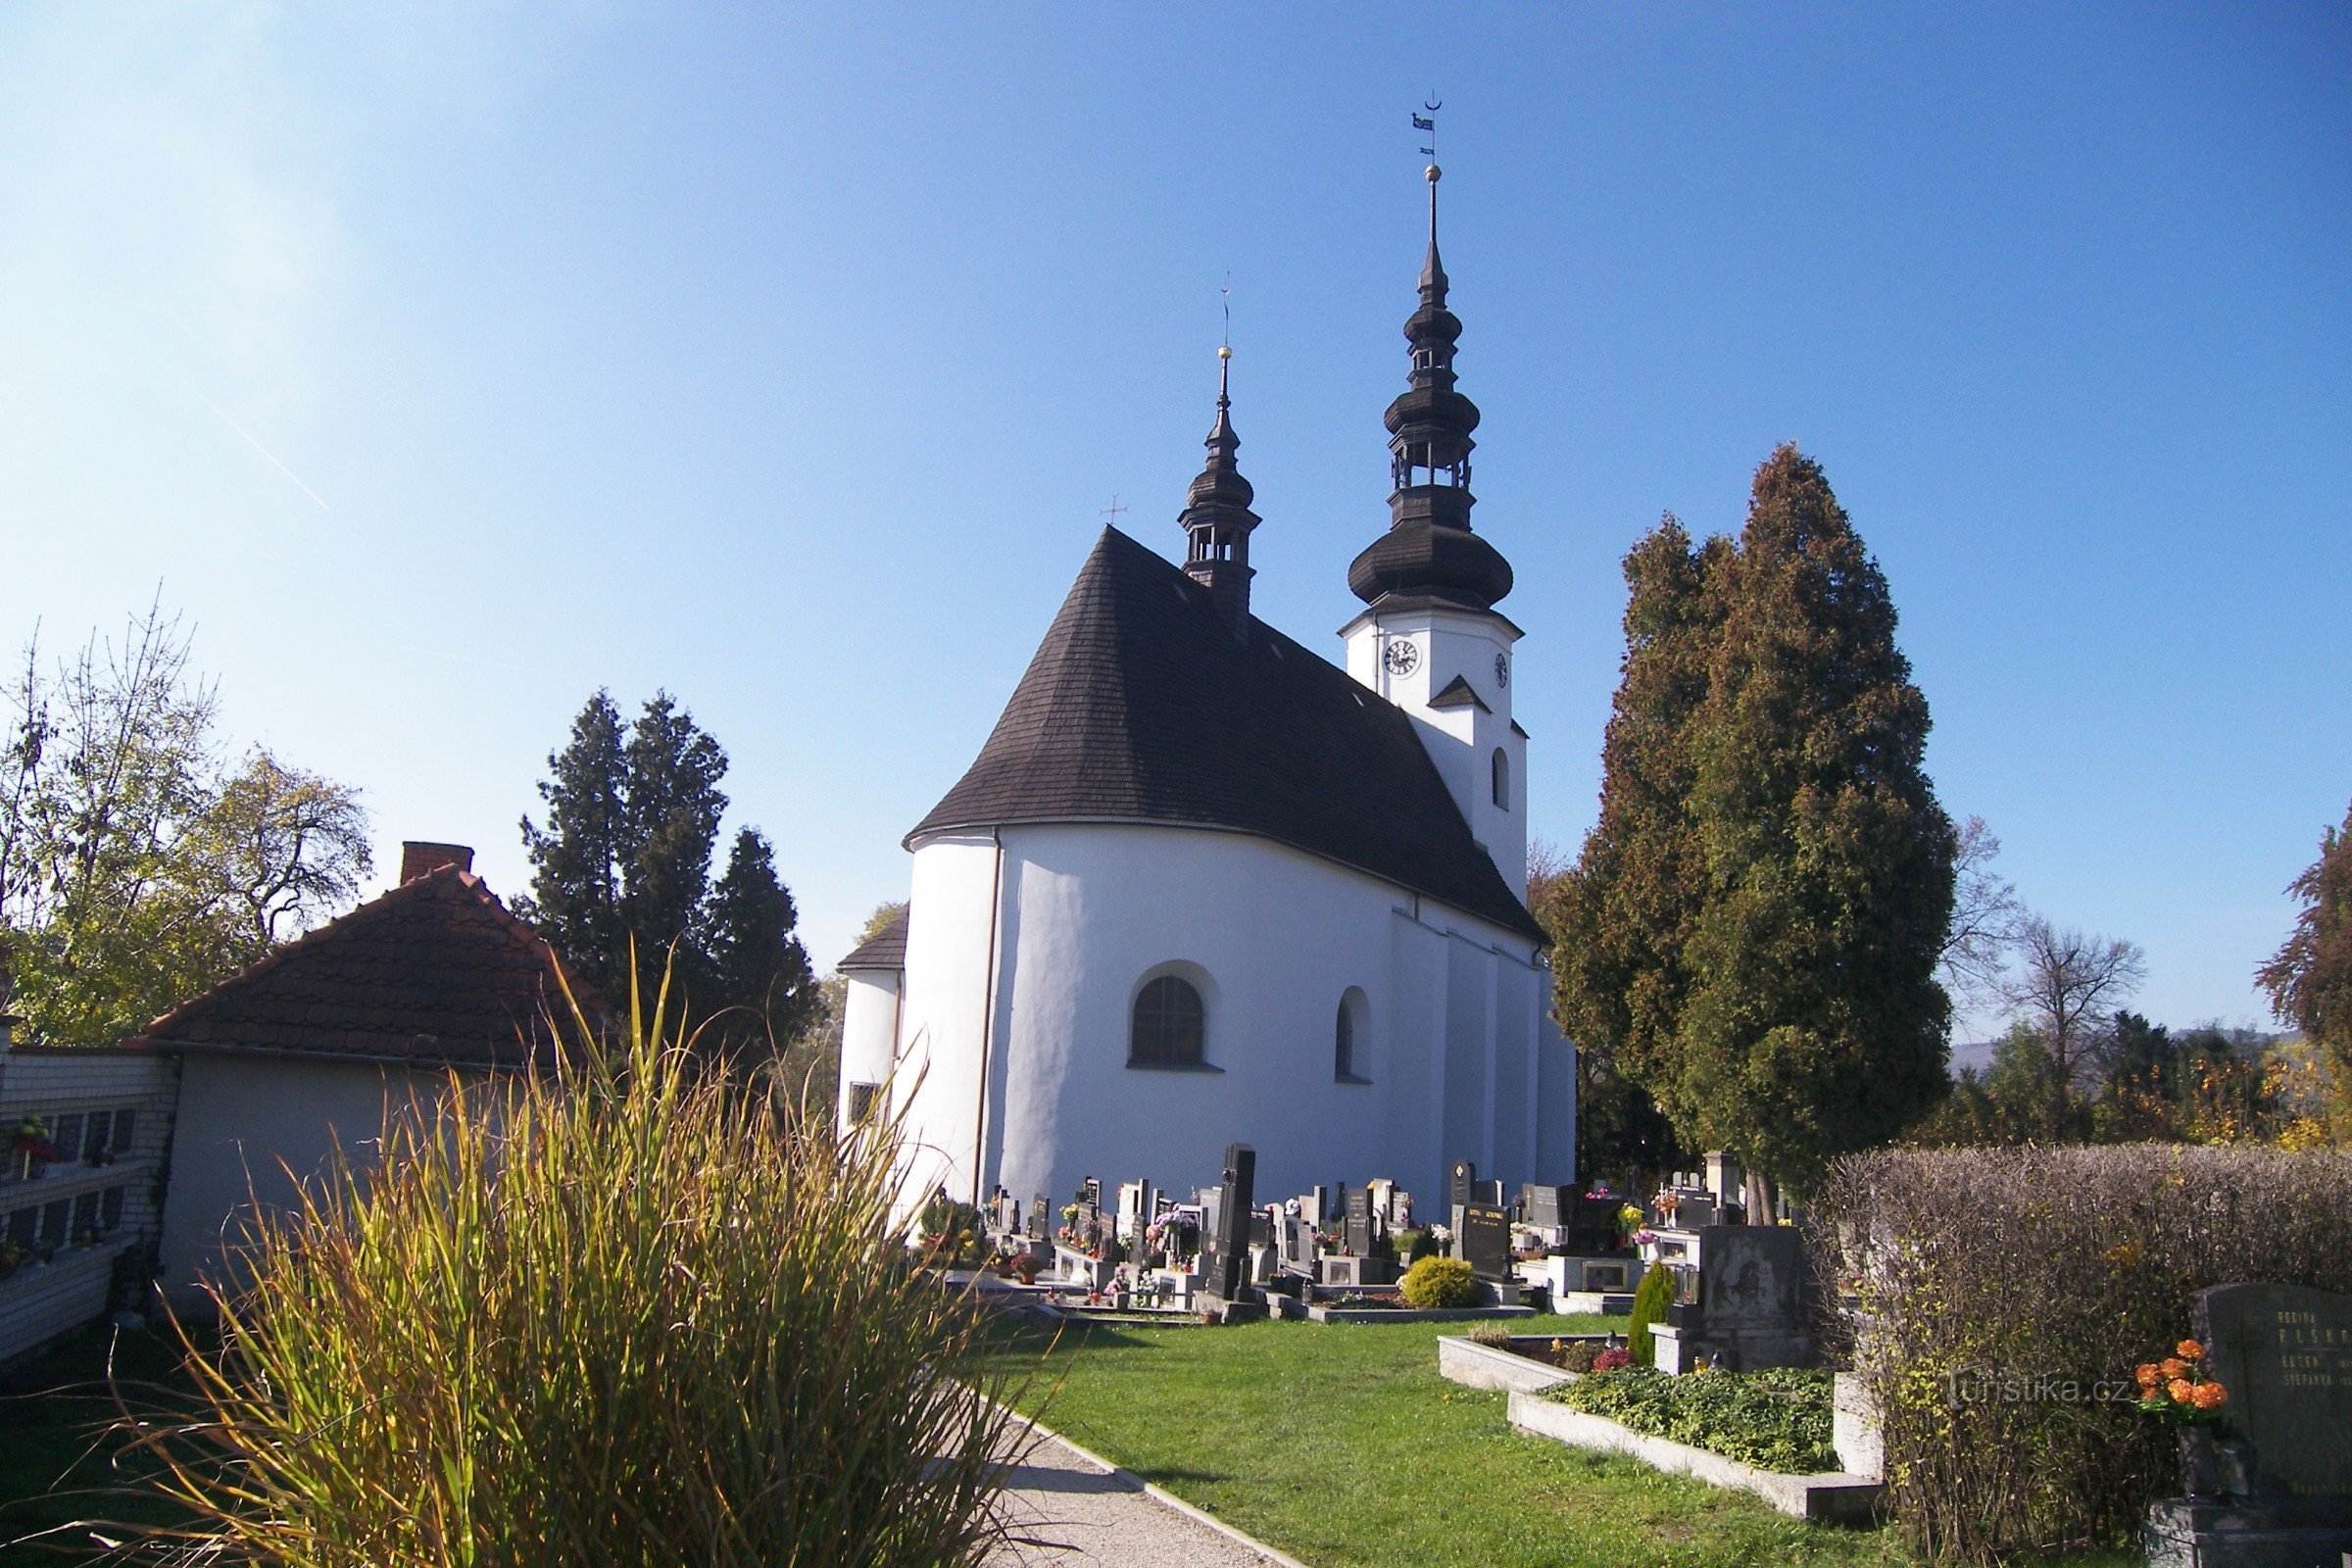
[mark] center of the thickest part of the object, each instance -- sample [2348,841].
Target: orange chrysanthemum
[2148,1375]
[2182,1391]
[2174,1367]
[2188,1351]
[2210,1397]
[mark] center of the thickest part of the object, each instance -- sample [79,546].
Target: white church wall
[947,983]
[1273,938]
[869,1027]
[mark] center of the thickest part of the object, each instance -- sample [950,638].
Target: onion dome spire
[1217,518]
[1429,549]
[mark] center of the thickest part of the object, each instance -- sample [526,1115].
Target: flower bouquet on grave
[1631,1220]
[2177,1391]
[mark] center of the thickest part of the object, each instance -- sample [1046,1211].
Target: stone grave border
[1829,1497]
[1414,1314]
[1463,1359]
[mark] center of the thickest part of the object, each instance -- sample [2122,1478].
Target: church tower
[1429,639]
[1217,518]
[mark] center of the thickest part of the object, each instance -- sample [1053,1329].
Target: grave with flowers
[2261,1401]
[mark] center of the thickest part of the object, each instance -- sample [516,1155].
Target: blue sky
[445,364]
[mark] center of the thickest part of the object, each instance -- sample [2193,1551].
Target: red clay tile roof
[435,972]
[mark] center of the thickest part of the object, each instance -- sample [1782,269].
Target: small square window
[66,1138]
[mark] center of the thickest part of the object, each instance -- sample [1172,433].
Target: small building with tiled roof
[310,1048]
[1204,885]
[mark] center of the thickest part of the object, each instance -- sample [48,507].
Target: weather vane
[1428,120]
[1225,347]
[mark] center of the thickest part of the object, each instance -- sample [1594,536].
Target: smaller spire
[1433,272]
[1217,518]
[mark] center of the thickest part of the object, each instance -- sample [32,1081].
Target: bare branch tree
[2068,984]
[1985,918]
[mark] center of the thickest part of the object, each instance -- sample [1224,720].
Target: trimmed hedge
[1995,1301]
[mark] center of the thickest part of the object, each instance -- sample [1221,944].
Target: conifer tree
[1751,931]
[1620,916]
[760,970]
[624,860]
[1813,1023]
[2310,976]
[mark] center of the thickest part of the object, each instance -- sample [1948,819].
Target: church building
[1204,886]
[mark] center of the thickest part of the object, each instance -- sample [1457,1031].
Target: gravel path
[1073,1511]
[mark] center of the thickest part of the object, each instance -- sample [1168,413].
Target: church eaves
[1142,705]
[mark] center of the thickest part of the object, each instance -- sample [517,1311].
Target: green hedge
[1772,1420]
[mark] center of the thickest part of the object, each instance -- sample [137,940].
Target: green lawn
[1341,1444]
[57,1465]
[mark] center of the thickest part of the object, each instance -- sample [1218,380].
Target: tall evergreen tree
[760,970]
[625,859]
[1813,1024]
[578,860]
[1620,917]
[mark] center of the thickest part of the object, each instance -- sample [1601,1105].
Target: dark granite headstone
[1753,1280]
[1593,1225]
[1359,1223]
[1262,1229]
[1544,1205]
[1091,1193]
[1040,1209]
[1486,1240]
[1465,1180]
[1229,1274]
[2285,1354]
[1488,1193]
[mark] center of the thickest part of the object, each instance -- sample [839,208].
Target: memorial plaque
[2285,1354]
[1359,1223]
[1753,1279]
[1465,1180]
[1486,1240]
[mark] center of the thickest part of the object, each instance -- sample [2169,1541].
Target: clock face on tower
[1502,669]
[1402,657]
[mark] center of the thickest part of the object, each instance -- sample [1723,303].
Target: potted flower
[2178,1391]
[33,1148]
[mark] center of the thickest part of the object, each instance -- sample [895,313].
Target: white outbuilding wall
[1028,949]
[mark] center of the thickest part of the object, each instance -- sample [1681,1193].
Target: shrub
[640,1317]
[1652,1297]
[1610,1360]
[1772,1420]
[1440,1282]
[1494,1336]
[2052,1269]
[1425,1245]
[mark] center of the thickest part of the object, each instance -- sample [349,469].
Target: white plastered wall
[1273,937]
[869,1031]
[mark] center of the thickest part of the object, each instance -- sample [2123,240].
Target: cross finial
[1114,509]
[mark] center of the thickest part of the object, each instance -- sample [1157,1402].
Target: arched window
[1503,779]
[1349,1061]
[1169,1024]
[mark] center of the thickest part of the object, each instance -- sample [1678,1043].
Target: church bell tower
[1429,639]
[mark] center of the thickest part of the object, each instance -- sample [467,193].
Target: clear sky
[444,363]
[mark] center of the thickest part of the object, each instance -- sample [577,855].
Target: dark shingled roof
[435,972]
[886,948]
[1141,706]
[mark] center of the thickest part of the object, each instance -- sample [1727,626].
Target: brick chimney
[420,858]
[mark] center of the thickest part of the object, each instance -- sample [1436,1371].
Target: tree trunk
[1762,1199]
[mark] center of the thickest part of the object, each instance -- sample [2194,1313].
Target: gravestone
[1489,1192]
[1262,1229]
[2285,1354]
[1593,1224]
[1318,1213]
[1227,1277]
[1542,1205]
[1465,1181]
[1753,1306]
[1359,1223]
[1209,1232]
[1401,1211]
[1485,1241]
[1040,1208]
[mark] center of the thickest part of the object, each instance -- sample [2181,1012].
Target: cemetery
[1792,1363]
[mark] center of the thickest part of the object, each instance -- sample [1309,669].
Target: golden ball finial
[1433,173]
[1224,352]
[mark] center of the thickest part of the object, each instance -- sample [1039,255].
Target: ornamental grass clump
[1998,1304]
[637,1317]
